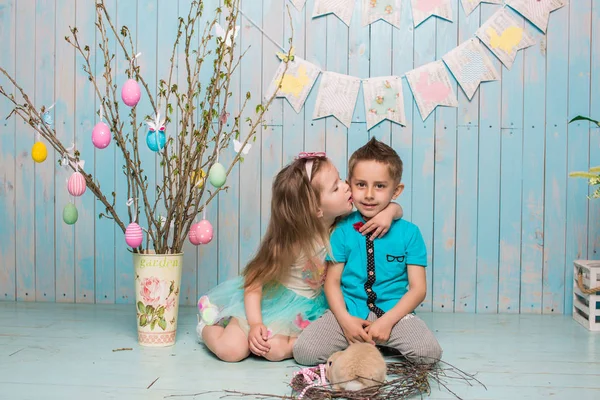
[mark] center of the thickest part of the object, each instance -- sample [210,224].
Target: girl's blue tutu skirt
[284,312]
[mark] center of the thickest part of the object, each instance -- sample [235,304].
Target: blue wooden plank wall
[487,182]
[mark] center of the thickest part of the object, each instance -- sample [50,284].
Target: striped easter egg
[76,184]
[133,235]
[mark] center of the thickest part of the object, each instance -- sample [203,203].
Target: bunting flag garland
[470,5]
[387,10]
[384,100]
[337,97]
[423,9]
[342,8]
[470,65]
[299,4]
[504,36]
[536,11]
[431,87]
[296,83]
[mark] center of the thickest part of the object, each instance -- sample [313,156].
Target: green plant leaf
[150,310]
[161,311]
[143,320]
[153,324]
[162,323]
[582,118]
[582,174]
[141,307]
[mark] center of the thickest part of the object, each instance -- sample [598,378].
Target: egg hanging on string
[217,175]
[133,235]
[203,232]
[131,92]
[70,214]
[101,135]
[39,152]
[156,139]
[192,235]
[76,184]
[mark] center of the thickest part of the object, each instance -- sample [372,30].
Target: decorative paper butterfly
[237,146]
[284,56]
[220,32]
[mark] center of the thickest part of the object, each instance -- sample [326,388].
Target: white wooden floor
[64,351]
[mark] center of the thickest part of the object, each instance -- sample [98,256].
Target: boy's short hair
[378,151]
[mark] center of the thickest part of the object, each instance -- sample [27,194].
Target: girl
[280,291]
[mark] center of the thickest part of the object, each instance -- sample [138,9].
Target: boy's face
[372,187]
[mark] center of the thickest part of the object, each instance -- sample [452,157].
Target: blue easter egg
[47,118]
[153,143]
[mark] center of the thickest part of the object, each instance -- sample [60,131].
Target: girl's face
[335,197]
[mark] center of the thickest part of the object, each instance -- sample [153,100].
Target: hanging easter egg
[101,135]
[204,231]
[217,175]
[76,184]
[192,235]
[70,214]
[131,92]
[156,139]
[39,152]
[47,118]
[198,177]
[133,235]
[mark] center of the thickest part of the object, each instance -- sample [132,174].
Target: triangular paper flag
[470,65]
[431,87]
[384,100]
[342,8]
[470,5]
[423,9]
[536,11]
[296,83]
[387,10]
[299,4]
[337,97]
[504,35]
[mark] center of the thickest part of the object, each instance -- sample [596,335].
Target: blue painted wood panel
[486,182]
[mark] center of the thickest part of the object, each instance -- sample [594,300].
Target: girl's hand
[379,224]
[257,340]
[380,331]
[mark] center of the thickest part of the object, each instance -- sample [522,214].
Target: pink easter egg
[131,92]
[76,184]
[192,235]
[204,232]
[101,135]
[133,235]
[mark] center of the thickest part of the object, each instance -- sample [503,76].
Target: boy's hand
[354,329]
[257,339]
[380,331]
[379,224]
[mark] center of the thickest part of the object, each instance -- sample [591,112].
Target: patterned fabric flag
[536,11]
[504,35]
[342,8]
[431,87]
[470,5]
[423,9]
[470,65]
[337,97]
[384,100]
[296,83]
[387,10]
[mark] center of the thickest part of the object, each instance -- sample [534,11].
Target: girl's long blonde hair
[294,227]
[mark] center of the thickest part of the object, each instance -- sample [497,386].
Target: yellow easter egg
[39,152]
[198,177]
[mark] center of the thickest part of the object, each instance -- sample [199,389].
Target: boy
[372,286]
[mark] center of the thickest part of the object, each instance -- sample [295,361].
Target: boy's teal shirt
[402,245]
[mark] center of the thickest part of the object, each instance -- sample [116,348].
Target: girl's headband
[310,158]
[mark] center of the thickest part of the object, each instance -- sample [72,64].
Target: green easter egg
[70,214]
[217,175]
